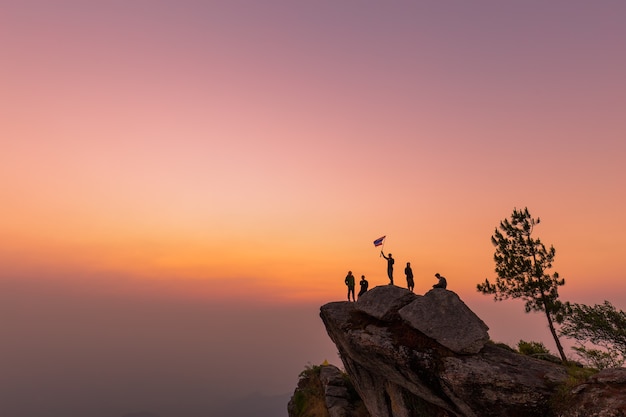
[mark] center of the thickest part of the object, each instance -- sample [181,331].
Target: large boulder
[383,302]
[441,315]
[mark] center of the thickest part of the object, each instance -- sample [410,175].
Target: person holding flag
[390,261]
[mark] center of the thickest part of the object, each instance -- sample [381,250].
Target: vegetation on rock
[308,398]
[325,391]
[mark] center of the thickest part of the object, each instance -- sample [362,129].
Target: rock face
[441,315]
[325,391]
[337,396]
[410,355]
[602,395]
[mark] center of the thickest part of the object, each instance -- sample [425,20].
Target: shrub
[532,348]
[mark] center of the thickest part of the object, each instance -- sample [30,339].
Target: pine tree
[521,265]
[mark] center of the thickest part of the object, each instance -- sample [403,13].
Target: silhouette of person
[350,283]
[410,284]
[442,282]
[364,285]
[390,262]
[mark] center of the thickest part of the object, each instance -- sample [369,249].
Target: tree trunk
[554,335]
[546,309]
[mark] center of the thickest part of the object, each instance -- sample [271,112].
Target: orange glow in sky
[151,144]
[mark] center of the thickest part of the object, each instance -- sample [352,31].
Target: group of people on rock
[350,281]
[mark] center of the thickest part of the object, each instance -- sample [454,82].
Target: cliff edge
[412,355]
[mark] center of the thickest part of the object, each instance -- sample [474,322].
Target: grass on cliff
[536,350]
[308,399]
[562,398]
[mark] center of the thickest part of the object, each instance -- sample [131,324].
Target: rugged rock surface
[602,395]
[410,355]
[325,391]
[441,315]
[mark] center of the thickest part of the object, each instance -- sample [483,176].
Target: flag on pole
[379,241]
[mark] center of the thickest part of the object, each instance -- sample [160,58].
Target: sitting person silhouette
[442,282]
[364,285]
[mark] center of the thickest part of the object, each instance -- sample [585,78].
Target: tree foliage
[599,359]
[602,325]
[521,267]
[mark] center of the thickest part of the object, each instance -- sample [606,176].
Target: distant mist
[71,354]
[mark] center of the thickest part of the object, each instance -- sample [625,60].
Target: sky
[184,184]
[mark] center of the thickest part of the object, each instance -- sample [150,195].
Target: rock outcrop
[411,355]
[325,391]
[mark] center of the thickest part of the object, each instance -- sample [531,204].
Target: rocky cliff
[410,355]
[325,391]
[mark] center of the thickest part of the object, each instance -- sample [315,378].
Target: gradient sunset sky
[217,157]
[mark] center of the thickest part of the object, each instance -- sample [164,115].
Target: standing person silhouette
[364,285]
[350,283]
[410,284]
[390,262]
